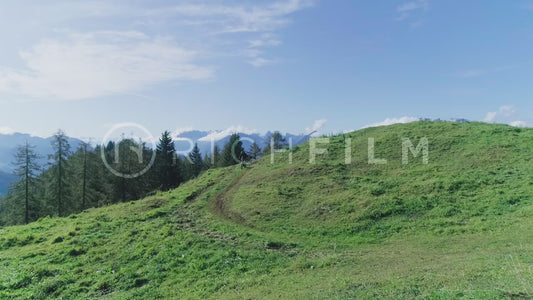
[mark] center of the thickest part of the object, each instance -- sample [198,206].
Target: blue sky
[261,65]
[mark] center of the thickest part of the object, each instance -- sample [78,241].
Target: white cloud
[215,16]
[503,113]
[317,125]
[220,134]
[266,40]
[413,5]
[178,131]
[261,62]
[253,52]
[263,43]
[242,18]
[407,9]
[519,124]
[6,130]
[506,114]
[489,118]
[390,121]
[67,65]
[100,63]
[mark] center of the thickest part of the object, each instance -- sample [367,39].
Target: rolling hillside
[457,227]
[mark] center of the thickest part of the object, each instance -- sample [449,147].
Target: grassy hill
[459,226]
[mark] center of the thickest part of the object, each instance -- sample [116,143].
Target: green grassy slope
[460,226]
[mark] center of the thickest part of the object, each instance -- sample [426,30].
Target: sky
[289,65]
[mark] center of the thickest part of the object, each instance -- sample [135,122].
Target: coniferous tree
[128,157]
[215,157]
[114,181]
[275,140]
[3,211]
[181,165]
[233,152]
[255,151]
[83,148]
[59,181]
[129,176]
[100,183]
[166,170]
[83,176]
[207,162]
[196,162]
[26,170]
[84,164]
[279,140]
[10,212]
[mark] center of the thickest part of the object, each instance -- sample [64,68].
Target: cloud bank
[100,63]
[506,114]
[74,63]
[6,130]
[390,121]
[317,125]
[220,134]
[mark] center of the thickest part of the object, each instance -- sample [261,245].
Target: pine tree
[181,165]
[128,163]
[100,182]
[196,161]
[61,148]
[166,171]
[207,162]
[10,212]
[255,151]
[215,157]
[85,168]
[26,170]
[233,152]
[278,140]
[83,164]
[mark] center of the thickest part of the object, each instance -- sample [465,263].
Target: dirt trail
[222,202]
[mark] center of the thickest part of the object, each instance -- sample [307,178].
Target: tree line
[77,179]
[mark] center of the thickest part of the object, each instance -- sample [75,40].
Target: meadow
[459,226]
